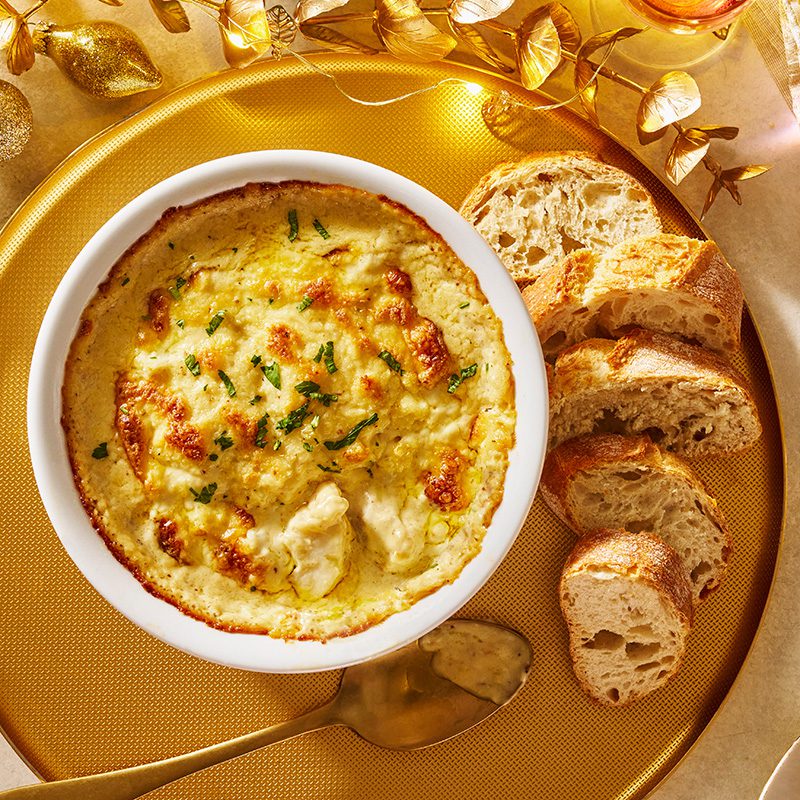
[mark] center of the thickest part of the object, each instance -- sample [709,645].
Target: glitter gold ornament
[15,121]
[102,58]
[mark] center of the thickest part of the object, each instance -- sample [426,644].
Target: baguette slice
[686,398]
[533,212]
[628,609]
[606,481]
[666,283]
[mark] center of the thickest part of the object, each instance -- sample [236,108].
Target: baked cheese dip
[289,409]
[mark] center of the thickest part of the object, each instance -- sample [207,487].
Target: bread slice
[665,283]
[684,397]
[611,481]
[628,609]
[535,211]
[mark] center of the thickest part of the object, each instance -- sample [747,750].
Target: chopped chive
[171,245]
[213,457]
[272,372]
[464,305]
[321,229]
[293,226]
[336,469]
[314,422]
[305,303]
[294,419]
[328,358]
[277,445]
[307,447]
[228,383]
[215,322]
[235,249]
[261,432]
[175,290]
[205,494]
[223,441]
[347,440]
[318,356]
[456,379]
[257,399]
[180,323]
[125,281]
[255,360]
[391,361]
[101,451]
[191,364]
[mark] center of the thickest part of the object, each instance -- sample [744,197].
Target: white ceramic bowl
[49,454]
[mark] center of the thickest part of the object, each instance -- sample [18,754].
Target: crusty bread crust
[639,557]
[593,453]
[495,206]
[666,283]
[650,371]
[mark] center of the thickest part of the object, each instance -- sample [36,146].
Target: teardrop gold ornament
[15,121]
[102,58]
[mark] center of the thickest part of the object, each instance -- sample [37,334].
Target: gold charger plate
[84,690]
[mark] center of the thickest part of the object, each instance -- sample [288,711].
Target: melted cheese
[284,453]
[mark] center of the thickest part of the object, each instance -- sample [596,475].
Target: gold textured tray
[83,690]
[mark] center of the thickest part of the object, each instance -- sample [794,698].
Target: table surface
[761,716]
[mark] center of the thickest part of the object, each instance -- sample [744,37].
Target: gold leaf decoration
[538,48]
[333,40]
[568,31]
[473,39]
[713,191]
[310,9]
[116,3]
[673,97]
[16,120]
[687,151]
[408,34]
[282,28]
[245,31]
[20,54]
[744,173]
[718,131]
[171,15]
[468,12]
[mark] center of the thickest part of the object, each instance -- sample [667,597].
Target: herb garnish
[277,445]
[175,290]
[212,457]
[464,305]
[294,419]
[261,432]
[311,390]
[191,364]
[293,226]
[327,355]
[101,451]
[318,356]
[223,441]
[319,227]
[335,468]
[391,361]
[255,360]
[305,303]
[307,447]
[171,245]
[125,281]
[257,399]
[314,422]
[215,322]
[205,494]
[347,440]
[228,383]
[457,379]
[272,372]
[180,322]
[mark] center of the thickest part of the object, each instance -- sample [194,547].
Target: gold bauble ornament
[102,58]
[16,119]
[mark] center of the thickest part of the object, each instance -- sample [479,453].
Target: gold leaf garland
[546,39]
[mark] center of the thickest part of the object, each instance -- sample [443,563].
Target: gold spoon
[431,690]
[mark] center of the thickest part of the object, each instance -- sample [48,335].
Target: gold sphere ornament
[16,120]
[102,58]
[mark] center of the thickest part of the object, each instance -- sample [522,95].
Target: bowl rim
[47,443]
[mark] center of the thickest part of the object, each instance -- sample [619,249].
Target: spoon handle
[127,784]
